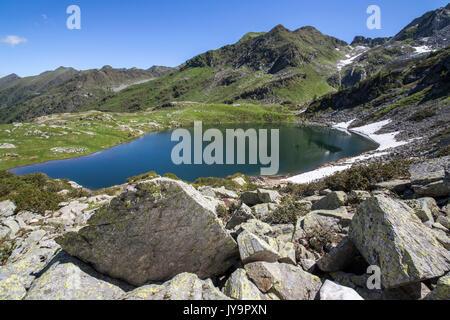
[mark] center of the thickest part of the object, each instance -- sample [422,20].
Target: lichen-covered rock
[12,225]
[286,281]
[444,221]
[239,287]
[164,228]
[286,250]
[266,196]
[68,279]
[217,192]
[425,208]
[388,234]
[185,286]
[263,211]
[11,286]
[358,196]
[334,291]
[30,257]
[331,201]
[431,178]
[253,248]
[339,257]
[241,215]
[398,185]
[256,227]
[442,290]
[337,220]
[250,198]
[4,232]
[7,208]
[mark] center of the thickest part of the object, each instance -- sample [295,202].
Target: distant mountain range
[276,67]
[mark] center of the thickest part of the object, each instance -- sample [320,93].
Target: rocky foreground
[166,239]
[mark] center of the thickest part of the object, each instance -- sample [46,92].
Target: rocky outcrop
[164,228]
[185,286]
[389,235]
[431,178]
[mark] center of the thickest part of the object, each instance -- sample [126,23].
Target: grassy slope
[274,67]
[96,131]
[62,90]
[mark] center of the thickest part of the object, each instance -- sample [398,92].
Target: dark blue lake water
[301,148]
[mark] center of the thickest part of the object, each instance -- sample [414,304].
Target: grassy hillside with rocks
[63,90]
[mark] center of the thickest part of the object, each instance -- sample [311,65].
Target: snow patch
[385,141]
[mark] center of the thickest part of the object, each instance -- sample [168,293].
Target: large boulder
[331,201]
[431,178]
[185,286]
[286,281]
[162,228]
[389,235]
[69,279]
[239,287]
[7,208]
[334,291]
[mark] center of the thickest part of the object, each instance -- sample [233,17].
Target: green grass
[94,131]
[34,192]
[413,99]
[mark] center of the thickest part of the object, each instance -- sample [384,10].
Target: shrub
[171,176]
[358,177]
[143,177]
[33,192]
[288,211]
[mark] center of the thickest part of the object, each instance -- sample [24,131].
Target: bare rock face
[388,234]
[163,228]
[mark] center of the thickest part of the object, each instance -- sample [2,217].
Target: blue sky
[141,33]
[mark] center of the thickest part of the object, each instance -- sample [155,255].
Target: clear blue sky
[141,33]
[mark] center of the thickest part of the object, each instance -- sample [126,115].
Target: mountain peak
[433,27]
